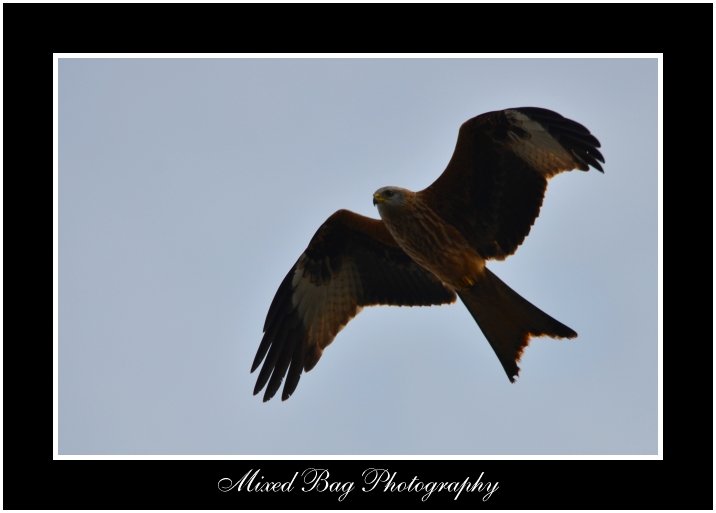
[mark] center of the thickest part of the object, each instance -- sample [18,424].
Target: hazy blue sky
[188,188]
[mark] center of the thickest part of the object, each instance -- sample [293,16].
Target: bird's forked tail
[508,320]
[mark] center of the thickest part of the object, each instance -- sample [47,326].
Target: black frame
[32,32]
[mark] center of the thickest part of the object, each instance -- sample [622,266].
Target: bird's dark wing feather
[351,262]
[493,186]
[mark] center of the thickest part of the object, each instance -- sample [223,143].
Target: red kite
[431,245]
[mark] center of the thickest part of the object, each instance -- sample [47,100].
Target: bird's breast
[435,245]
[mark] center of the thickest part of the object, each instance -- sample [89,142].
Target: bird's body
[417,229]
[431,246]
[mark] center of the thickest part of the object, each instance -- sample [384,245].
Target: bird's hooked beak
[377,198]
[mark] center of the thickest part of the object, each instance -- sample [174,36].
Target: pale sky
[189,187]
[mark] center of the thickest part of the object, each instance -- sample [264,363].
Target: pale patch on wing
[325,308]
[539,148]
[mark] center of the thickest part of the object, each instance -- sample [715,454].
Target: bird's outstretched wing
[351,262]
[493,186]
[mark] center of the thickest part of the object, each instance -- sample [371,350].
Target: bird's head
[390,197]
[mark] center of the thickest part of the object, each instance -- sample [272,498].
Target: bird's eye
[388,193]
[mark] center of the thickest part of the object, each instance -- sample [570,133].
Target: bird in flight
[430,246]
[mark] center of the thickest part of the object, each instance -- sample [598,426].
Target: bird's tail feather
[508,320]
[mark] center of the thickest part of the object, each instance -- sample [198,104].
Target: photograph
[355,257]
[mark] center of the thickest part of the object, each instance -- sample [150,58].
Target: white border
[55,269]
[660,256]
[426,55]
[55,261]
